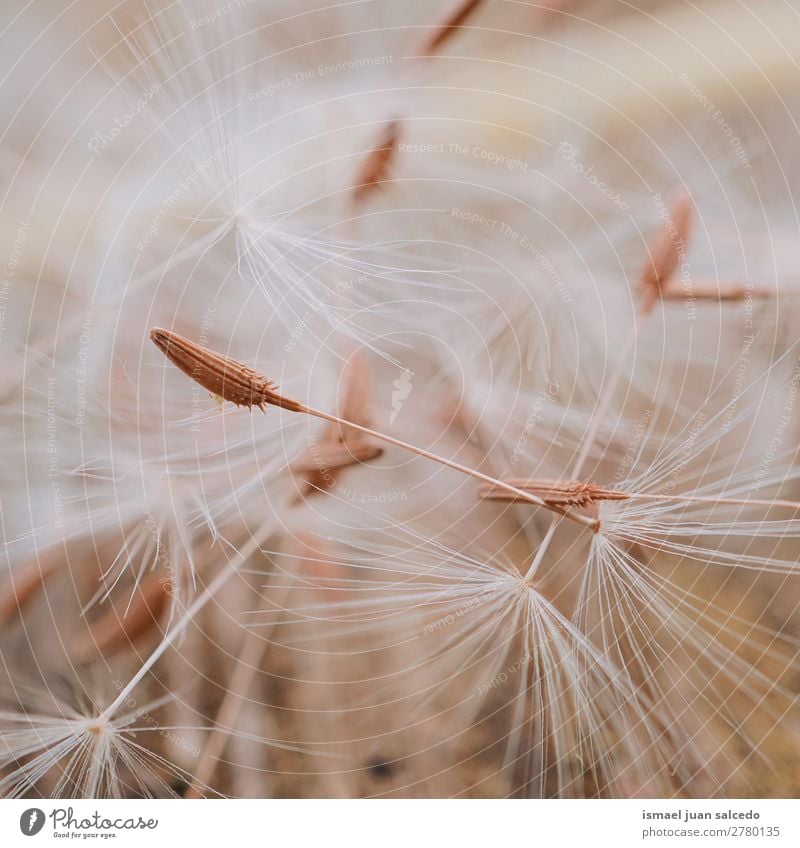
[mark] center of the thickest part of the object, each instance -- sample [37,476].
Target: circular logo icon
[31,821]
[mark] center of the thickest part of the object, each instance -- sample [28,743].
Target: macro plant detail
[484,481]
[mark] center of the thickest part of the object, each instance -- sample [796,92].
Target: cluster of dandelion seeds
[400,400]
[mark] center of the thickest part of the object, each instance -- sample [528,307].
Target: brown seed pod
[451,22]
[220,375]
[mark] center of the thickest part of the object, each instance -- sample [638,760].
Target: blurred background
[431,218]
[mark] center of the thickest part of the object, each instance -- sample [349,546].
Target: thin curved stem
[592,523]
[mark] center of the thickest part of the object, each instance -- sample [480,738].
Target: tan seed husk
[555,492]
[220,375]
[377,164]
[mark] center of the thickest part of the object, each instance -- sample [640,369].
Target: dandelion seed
[452,21]
[477,633]
[564,492]
[375,168]
[252,389]
[92,756]
[575,493]
[220,375]
[666,253]
[652,657]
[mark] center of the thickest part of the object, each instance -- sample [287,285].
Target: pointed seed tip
[220,375]
[159,337]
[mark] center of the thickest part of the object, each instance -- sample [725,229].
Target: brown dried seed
[555,492]
[220,375]
[375,168]
[666,252]
[715,294]
[341,447]
[451,22]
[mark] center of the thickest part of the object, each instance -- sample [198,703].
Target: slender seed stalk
[710,291]
[691,499]
[235,382]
